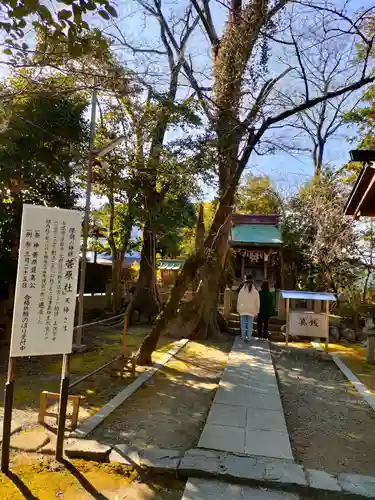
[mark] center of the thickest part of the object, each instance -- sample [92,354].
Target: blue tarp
[300,294]
[171,264]
[103,258]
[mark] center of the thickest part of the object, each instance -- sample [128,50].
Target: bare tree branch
[255,138]
[262,96]
[206,19]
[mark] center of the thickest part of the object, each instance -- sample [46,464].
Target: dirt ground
[36,374]
[331,428]
[79,480]
[170,411]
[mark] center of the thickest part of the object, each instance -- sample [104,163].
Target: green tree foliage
[319,242]
[178,215]
[362,117]
[41,141]
[43,138]
[127,176]
[365,252]
[256,195]
[61,23]
[189,233]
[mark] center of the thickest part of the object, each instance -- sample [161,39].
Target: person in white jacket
[248,304]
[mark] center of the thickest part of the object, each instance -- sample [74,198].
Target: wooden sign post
[45,299]
[7,422]
[64,394]
[307,323]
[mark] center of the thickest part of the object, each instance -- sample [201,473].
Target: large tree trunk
[146,299]
[151,340]
[365,286]
[197,319]
[16,211]
[202,310]
[115,256]
[230,59]
[199,241]
[117,260]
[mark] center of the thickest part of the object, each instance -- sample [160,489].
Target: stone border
[95,420]
[274,474]
[277,474]
[360,387]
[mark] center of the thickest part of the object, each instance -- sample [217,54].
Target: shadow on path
[83,481]
[23,488]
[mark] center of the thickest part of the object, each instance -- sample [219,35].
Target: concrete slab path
[247,416]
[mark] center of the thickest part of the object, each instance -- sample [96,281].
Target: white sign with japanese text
[46,288]
[307,324]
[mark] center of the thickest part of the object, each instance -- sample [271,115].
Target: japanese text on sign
[307,324]
[46,282]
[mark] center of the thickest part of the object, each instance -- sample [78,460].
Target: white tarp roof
[302,295]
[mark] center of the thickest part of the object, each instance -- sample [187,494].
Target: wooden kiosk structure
[361,203]
[303,322]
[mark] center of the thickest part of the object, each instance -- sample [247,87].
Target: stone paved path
[204,489]
[246,417]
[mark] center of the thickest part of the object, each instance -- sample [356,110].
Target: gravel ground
[170,411]
[330,427]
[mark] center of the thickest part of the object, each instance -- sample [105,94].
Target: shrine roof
[263,219]
[361,200]
[300,294]
[260,234]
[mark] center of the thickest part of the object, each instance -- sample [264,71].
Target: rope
[99,322]
[73,384]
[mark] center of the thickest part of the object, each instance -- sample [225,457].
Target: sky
[287,171]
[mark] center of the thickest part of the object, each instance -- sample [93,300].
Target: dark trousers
[262,326]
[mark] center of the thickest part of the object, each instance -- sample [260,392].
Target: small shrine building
[256,240]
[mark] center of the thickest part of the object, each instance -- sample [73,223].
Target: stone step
[235,325]
[274,320]
[276,336]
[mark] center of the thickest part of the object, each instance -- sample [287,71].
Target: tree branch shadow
[83,481]
[23,488]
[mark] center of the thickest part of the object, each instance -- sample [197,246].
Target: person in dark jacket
[266,310]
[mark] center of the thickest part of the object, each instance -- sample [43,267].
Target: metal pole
[86,217]
[125,331]
[287,322]
[7,423]
[64,394]
[327,325]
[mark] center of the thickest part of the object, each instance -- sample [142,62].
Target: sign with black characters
[46,286]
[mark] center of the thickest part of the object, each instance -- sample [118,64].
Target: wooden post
[227,302]
[7,422]
[108,294]
[242,267]
[327,324]
[282,281]
[287,322]
[370,350]
[125,331]
[317,306]
[42,407]
[64,393]
[265,270]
